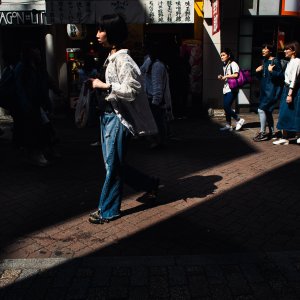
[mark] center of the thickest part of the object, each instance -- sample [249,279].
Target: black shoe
[150,195]
[94,219]
[261,136]
[95,214]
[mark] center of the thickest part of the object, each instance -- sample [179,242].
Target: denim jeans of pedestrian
[228,100]
[114,139]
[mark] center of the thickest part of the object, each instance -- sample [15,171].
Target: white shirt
[127,96]
[229,69]
[292,72]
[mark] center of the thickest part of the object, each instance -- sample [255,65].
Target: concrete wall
[212,44]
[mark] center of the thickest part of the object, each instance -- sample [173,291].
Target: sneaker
[281,142]
[298,141]
[226,127]
[39,160]
[261,136]
[276,135]
[239,124]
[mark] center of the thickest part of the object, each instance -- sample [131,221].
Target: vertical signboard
[215,16]
[176,11]
[290,8]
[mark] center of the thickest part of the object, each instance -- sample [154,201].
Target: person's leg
[270,121]
[160,119]
[113,136]
[227,102]
[138,180]
[263,120]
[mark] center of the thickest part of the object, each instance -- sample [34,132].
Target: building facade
[244,25]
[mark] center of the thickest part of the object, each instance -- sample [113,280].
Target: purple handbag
[243,78]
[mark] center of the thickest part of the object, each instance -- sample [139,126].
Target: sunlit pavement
[225,225]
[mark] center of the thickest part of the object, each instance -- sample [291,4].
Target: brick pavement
[221,195]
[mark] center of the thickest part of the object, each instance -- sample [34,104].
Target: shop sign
[33,17]
[215,16]
[290,8]
[134,11]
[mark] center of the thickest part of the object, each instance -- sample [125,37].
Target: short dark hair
[294,46]
[268,46]
[115,27]
[228,52]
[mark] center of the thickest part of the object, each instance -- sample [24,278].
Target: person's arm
[158,81]
[275,70]
[295,73]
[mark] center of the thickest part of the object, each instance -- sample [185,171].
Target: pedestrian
[271,79]
[126,113]
[230,70]
[289,110]
[155,73]
[33,129]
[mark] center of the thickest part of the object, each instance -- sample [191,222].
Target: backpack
[7,89]
[243,79]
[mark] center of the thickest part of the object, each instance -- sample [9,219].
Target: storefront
[20,23]
[171,20]
[244,26]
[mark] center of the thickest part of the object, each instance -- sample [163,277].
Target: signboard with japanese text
[215,16]
[176,11]
[22,17]
[134,11]
[290,8]
[70,12]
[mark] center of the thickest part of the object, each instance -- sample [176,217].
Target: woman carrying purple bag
[230,70]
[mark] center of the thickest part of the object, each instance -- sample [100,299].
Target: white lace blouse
[127,96]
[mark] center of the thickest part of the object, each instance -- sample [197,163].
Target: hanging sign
[134,11]
[215,16]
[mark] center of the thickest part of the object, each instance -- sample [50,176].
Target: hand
[259,69]
[289,99]
[220,77]
[270,68]
[98,84]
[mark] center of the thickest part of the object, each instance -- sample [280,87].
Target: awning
[134,11]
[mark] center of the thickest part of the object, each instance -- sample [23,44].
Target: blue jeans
[228,99]
[114,139]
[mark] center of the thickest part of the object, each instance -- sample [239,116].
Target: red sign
[215,16]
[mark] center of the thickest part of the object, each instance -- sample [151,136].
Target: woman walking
[271,82]
[126,113]
[231,70]
[289,111]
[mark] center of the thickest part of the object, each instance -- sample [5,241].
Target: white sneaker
[281,142]
[239,124]
[39,159]
[226,127]
[298,141]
